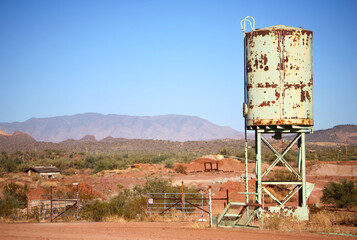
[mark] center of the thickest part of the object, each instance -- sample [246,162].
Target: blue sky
[146,58]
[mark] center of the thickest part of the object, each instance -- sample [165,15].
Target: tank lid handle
[251,21]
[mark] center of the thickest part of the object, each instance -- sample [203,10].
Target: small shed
[47,172]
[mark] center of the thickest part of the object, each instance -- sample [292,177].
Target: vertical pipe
[303,170]
[263,213]
[258,163]
[246,169]
[245,120]
[210,206]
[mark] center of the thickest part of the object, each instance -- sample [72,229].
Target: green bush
[14,198]
[343,194]
[129,204]
[180,169]
[95,210]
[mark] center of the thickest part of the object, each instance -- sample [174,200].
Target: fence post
[39,209]
[202,205]
[164,201]
[210,205]
[27,208]
[227,197]
[183,199]
[147,201]
[51,214]
[77,203]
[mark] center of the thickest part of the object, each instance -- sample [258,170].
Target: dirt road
[142,230]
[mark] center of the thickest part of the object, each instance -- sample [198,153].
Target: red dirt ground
[107,183]
[143,230]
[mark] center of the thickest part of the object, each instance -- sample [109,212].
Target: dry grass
[20,184]
[114,219]
[323,221]
[176,216]
[33,186]
[48,184]
[26,179]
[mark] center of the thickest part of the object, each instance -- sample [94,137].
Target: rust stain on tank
[300,121]
[296,86]
[249,86]
[268,85]
[259,63]
[249,66]
[308,96]
[277,95]
[266,103]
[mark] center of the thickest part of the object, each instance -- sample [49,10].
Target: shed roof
[50,169]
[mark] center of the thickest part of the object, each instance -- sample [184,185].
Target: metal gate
[53,207]
[180,205]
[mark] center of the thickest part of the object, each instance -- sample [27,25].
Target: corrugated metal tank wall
[279,76]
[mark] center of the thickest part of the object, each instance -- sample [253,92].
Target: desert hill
[17,141]
[166,127]
[338,134]
[4,133]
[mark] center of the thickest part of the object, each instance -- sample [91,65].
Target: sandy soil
[143,230]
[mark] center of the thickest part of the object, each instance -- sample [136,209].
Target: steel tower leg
[258,165]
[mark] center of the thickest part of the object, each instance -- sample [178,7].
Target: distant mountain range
[19,141]
[166,127]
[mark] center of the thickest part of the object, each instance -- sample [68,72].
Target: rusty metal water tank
[279,76]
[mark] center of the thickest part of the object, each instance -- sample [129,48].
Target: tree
[343,194]
[14,197]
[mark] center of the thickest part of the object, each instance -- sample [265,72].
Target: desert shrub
[95,210]
[2,171]
[48,184]
[342,194]
[68,172]
[169,163]
[102,165]
[8,165]
[282,175]
[226,152]
[14,198]
[89,162]
[129,204]
[180,169]
[348,220]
